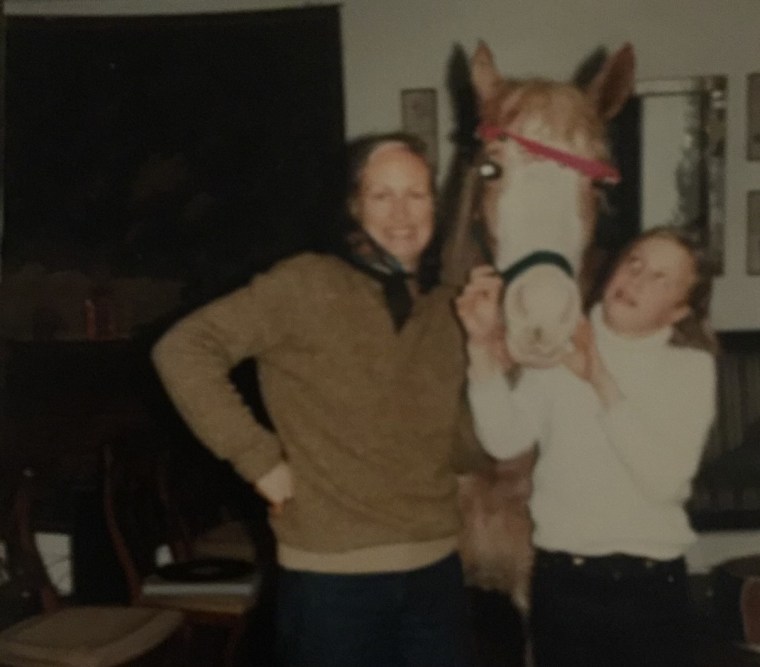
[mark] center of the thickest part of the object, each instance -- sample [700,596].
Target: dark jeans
[404,619]
[618,610]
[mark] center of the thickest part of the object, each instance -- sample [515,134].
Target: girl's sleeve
[660,437]
[194,359]
[507,418]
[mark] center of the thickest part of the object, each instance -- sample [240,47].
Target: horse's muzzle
[542,308]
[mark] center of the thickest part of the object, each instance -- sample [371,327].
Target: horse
[529,205]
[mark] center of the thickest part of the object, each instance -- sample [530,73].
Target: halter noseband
[596,170]
[534,259]
[530,260]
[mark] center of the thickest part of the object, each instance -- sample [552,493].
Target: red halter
[596,170]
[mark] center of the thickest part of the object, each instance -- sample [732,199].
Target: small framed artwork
[753,116]
[753,232]
[419,116]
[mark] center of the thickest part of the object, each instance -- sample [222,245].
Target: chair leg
[182,648]
[176,650]
[233,641]
[163,655]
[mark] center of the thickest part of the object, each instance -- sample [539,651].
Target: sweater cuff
[258,459]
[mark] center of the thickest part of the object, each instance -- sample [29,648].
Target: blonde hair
[694,330]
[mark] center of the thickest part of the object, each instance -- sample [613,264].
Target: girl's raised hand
[586,362]
[478,306]
[584,356]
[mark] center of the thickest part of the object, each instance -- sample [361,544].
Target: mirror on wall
[682,156]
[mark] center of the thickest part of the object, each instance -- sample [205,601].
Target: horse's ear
[590,67]
[484,76]
[610,89]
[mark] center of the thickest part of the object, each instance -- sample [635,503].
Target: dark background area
[200,148]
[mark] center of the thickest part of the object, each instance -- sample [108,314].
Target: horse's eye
[489,170]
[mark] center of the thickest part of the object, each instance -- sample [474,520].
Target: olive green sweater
[369,419]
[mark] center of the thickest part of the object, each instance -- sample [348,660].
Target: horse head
[542,164]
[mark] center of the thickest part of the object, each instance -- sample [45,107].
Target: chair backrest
[26,588]
[136,507]
[152,499]
[194,494]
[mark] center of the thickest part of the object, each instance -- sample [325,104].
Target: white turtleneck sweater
[607,481]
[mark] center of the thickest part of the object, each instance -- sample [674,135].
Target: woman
[620,428]
[361,366]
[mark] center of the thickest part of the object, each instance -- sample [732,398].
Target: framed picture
[753,232]
[419,116]
[753,116]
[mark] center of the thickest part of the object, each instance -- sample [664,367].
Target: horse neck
[461,249]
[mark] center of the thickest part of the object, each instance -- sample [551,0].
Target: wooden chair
[228,539]
[210,524]
[142,516]
[70,636]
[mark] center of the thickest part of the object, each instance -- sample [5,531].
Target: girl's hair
[694,330]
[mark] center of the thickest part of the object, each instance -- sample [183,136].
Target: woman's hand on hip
[276,487]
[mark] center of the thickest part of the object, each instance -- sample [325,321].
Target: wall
[394,44]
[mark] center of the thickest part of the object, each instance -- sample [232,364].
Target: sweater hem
[367,560]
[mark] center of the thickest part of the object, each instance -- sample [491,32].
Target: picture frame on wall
[419,116]
[753,116]
[753,232]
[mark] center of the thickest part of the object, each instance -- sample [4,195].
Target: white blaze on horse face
[539,210]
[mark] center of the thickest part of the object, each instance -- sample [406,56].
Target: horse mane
[560,106]
[461,250]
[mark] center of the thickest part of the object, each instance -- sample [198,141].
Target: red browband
[596,170]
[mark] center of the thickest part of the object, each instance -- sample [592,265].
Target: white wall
[389,45]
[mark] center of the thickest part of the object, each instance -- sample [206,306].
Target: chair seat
[227,540]
[228,605]
[86,636]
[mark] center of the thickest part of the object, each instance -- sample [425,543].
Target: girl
[620,427]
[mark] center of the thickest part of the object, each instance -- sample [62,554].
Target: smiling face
[394,202]
[649,288]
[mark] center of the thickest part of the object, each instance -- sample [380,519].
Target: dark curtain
[200,147]
[620,216]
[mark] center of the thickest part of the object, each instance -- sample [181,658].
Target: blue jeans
[605,611]
[398,619]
